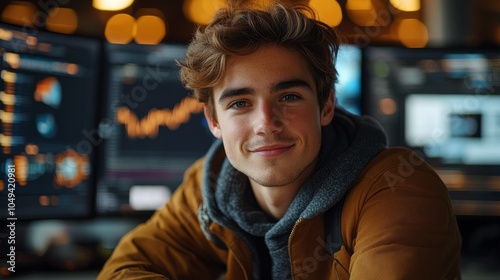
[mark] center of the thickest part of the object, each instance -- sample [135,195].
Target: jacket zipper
[290,242]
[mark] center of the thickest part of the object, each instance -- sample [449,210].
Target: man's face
[268,116]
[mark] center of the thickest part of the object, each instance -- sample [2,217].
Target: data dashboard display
[48,96]
[445,105]
[444,102]
[152,130]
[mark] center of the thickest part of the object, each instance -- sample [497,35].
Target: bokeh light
[328,11]
[412,33]
[201,11]
[406,5]
[120,29]
[361,12]
[62,20]
[19,13]
[111,5]
[149,30]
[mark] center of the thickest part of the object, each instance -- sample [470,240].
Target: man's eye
[290,97]
[238,104]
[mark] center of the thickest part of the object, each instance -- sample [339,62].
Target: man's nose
[268,119]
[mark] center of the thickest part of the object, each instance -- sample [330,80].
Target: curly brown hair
[240,31]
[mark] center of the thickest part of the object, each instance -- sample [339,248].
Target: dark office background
[91,177]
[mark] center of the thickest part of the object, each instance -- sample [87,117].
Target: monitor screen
[152,130]
[348,86]
[48,96]
[444,104]
[449,128]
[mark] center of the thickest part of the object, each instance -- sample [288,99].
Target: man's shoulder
[400,159]
[195,171]
[190,187]
[396,168]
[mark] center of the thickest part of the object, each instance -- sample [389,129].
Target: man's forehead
[268,63]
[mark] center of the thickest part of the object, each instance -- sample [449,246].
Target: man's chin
[272,181]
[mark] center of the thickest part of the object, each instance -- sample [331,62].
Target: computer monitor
[348,86]
[444,104]
[454,129]
[48,96]
[153,129]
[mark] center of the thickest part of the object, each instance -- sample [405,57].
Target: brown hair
[240,31]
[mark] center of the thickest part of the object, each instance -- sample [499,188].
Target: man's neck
[274,201]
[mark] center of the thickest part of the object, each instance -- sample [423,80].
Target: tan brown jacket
[397,223]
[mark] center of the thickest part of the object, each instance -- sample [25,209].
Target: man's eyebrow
[283,85]
[294,83]
[231,92]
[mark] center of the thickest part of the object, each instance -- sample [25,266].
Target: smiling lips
[271,151]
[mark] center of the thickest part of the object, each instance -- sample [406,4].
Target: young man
[257,205]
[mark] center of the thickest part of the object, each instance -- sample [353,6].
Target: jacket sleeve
[405,225]
[170,245]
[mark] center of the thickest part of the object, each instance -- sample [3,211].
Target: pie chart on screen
[48,91]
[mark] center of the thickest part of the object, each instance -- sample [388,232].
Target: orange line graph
[149,125]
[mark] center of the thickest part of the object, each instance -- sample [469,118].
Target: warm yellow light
[359,5]
[328,11]
[413,33]
[406,5]
[6,35]
[120,29]
[364,13]
[201,11]
[12,59]
[111,5]
[150,30]
[19,13]
[62,20]
[7,117]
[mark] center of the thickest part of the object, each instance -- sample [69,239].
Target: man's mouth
[271,150]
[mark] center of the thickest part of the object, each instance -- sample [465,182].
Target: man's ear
[328,110]
[213,125]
